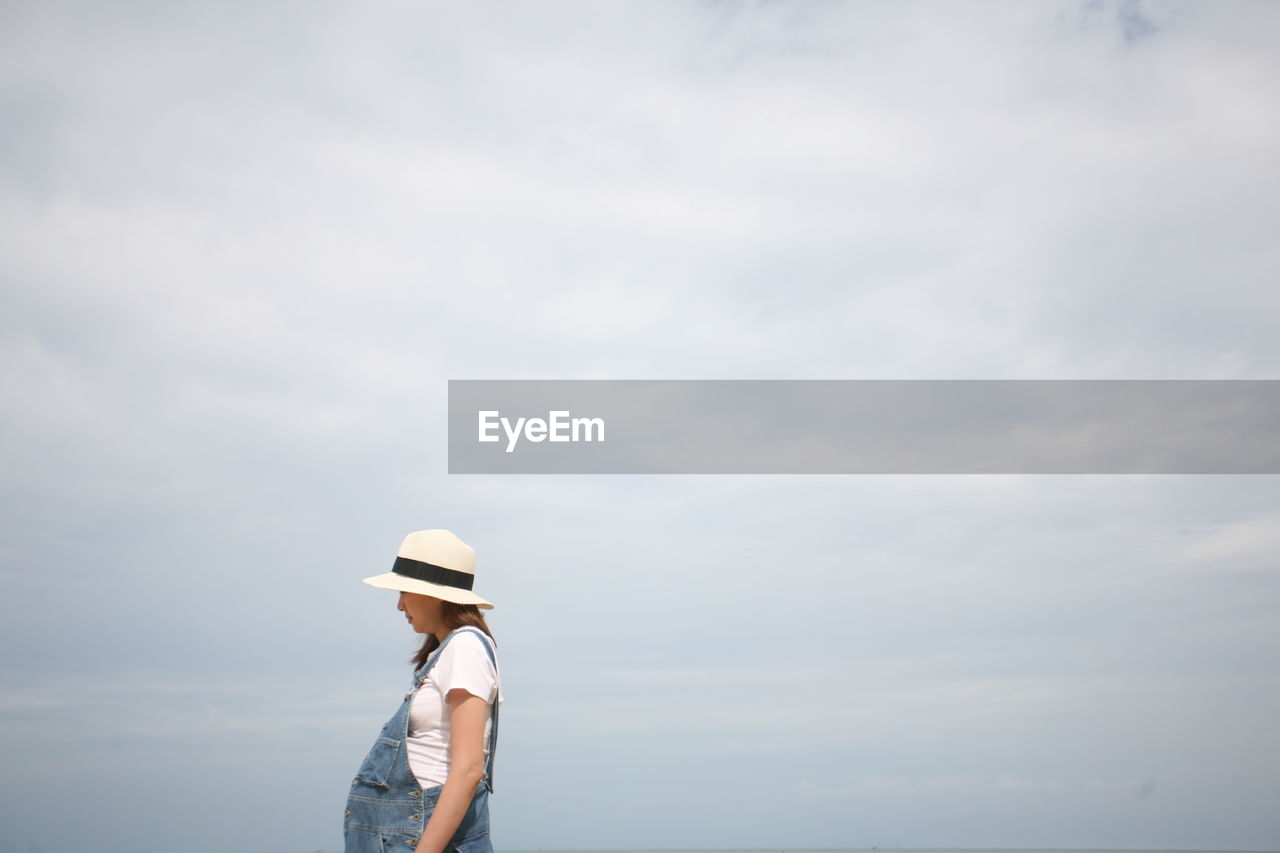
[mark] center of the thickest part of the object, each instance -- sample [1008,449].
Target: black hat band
[432,573]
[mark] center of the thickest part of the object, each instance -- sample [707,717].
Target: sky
[244,247]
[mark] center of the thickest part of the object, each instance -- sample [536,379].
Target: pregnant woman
[425,784]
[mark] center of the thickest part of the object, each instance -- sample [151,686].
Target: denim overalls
[387,810]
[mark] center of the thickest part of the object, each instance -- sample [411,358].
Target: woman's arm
[468,714]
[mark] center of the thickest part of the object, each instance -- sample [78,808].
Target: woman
[425,784]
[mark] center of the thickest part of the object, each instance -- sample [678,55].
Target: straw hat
[436,563]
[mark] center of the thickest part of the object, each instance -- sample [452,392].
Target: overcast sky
[243,247]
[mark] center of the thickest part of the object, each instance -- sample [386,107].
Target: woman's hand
[468,714]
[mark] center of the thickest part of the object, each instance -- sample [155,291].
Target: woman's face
[423,612]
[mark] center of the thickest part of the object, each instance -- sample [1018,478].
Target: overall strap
[421,675]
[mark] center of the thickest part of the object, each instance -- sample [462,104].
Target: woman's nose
[400,602]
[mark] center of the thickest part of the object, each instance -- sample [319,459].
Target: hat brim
[400,583]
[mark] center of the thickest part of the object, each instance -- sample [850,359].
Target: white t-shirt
[465,664]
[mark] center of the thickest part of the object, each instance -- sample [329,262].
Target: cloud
[1236,546]
[242,250]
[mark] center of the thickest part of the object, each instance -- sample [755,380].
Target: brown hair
[455,616]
